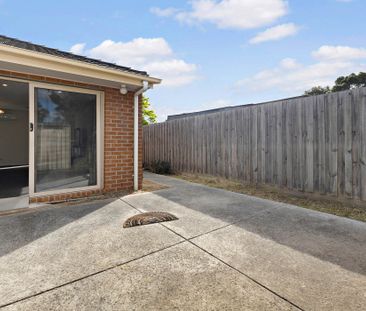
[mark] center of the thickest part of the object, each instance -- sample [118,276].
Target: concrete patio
[227,251]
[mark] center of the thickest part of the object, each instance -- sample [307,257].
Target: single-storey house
[70,126]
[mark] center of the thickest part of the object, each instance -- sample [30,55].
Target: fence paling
[311,144]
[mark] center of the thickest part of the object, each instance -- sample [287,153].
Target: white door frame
[32,141]
[100,134]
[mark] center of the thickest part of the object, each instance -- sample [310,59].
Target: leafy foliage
[341,84]
[317,90]
[350,82]
[149,115]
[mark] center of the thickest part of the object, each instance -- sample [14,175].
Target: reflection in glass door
[65,139]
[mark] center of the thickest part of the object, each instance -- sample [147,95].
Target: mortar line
[222,261]
[88,275]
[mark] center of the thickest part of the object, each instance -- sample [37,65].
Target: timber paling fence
[310,144]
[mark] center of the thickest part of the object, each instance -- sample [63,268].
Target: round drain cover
[148,218]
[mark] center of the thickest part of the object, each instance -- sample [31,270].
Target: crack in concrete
[222,261]
[87,276]
[189,240]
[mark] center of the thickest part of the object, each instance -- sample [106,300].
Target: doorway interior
[50,141]
[14,144]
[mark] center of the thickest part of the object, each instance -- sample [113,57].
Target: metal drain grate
[148,218]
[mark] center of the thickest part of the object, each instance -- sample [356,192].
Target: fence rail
[311,144]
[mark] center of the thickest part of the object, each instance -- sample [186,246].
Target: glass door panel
[65,139]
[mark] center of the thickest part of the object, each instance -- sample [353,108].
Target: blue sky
[210,53]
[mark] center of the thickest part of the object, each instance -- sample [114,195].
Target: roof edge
[39,58]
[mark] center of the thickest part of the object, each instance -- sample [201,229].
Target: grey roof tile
[46,50]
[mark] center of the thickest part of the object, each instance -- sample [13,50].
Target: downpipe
[145,87]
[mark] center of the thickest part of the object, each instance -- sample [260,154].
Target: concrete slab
[179,278]
[54,246]
[12,203]
[315,260]
[80,258]
[200,209]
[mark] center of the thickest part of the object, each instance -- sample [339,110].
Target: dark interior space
[14,182]
[14,141]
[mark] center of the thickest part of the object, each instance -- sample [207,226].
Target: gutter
[38,60]
[145,87]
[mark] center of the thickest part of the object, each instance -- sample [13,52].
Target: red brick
[118,138]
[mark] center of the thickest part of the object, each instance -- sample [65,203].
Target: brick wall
[118,138]
[118,144]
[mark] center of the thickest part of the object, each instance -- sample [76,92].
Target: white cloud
[294,78]
[275,33]
[289,63]
[236,14]
[164,12]
[332,53]
[175,72]
[78,48]
[153,55]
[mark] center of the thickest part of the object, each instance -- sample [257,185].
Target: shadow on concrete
[330,238]
[18,230]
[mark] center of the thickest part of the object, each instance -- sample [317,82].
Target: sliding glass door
[56,131]
[65,140]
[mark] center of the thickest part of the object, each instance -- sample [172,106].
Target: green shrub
[160,167]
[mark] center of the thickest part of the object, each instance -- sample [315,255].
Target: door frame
[100,134]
